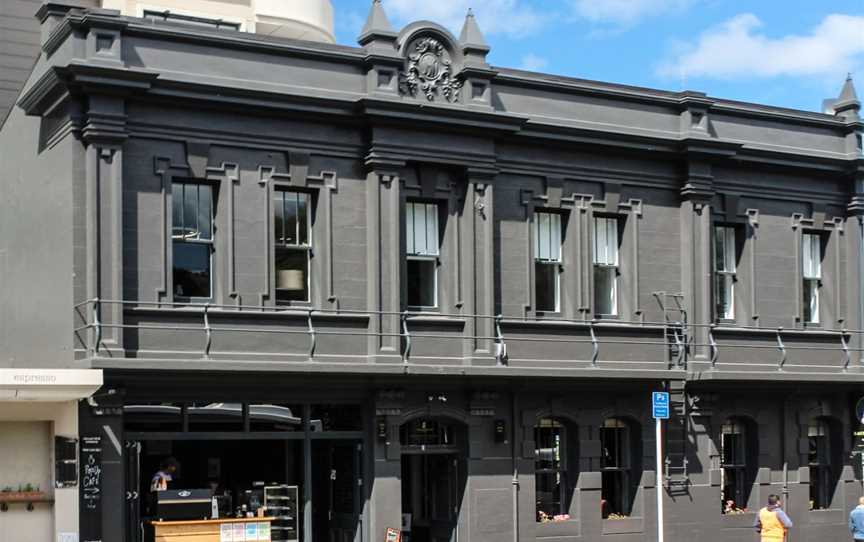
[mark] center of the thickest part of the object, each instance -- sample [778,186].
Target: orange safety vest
[773,529]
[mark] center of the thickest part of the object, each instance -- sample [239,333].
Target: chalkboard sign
[90,477]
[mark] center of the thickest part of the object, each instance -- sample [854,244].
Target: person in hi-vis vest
[772,522]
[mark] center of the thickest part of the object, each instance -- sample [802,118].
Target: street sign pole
[660,410]
[659,481]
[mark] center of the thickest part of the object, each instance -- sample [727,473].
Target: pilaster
[696,271]
[855,266]
[384,271]
[478,277]
[104,134]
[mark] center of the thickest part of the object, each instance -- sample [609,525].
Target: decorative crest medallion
[430,71]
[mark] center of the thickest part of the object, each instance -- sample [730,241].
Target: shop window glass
[547,261]
[553,482]
[192,239]
[275,418]
[208,417]
[422,248]
[617,441]
[292,227]
[736,470]
[724,272]
[811,263]
[153,417]
[820,463]
[605,266]
[337,418]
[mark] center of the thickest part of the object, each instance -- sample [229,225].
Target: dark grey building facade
[462,281]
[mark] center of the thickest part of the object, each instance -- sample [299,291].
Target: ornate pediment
[429,72]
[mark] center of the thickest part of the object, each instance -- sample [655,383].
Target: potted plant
[25,492]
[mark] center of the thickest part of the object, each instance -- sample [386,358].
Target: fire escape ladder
[676,476]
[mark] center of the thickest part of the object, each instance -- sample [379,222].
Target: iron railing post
[313,339]
[406,336]
[208,332]
[97,326]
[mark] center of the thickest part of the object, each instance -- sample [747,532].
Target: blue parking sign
[660,405]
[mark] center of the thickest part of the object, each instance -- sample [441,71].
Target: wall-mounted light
[500,431]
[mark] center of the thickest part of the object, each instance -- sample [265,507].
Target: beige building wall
[27,431]
[298,19]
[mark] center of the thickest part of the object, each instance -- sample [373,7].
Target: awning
[48,384]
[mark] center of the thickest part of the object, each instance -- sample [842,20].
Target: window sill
[827,516]
[580,324]
[257,312]
[772,331]
[549,529]
[743,520]
[435,318]
[623,526]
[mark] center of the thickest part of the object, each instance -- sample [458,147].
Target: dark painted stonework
[119,110]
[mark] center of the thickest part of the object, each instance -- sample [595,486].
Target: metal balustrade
[677,337]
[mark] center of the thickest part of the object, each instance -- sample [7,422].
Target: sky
[787,53]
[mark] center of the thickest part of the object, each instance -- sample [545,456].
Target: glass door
[336,490]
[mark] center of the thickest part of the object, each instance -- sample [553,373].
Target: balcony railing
[213,331]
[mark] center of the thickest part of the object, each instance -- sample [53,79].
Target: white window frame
[811,275]
[194,236]
[606,257]
[423,243]
[725,269]
[279,195]
[548,250]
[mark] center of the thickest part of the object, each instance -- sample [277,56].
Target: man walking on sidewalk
[856,522]
[772,522]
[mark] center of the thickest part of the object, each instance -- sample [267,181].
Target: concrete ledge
[48,384]
[362,368]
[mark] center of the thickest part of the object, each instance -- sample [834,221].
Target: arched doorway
[433,478]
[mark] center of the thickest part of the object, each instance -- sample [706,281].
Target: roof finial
[471,35]
[376,24]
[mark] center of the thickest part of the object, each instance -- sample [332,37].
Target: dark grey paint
[116,109]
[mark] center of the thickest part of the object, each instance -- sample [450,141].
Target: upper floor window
[190,20]
[821,460]
[811,263]
[422,248]
[724,272]
[605,266]
[192,239]
[292,229]
[617,441]
[547,261]
[859,143]
[552,482]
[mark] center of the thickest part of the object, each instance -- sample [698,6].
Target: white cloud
[624,12]
[737,49]
[510,17]
[533,63]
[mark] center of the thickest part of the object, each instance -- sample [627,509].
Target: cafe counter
[214,530]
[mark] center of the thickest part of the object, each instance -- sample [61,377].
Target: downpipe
[515,481]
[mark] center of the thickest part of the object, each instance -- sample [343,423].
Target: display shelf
[282,501]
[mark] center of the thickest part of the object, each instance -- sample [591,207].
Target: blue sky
[789,53]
